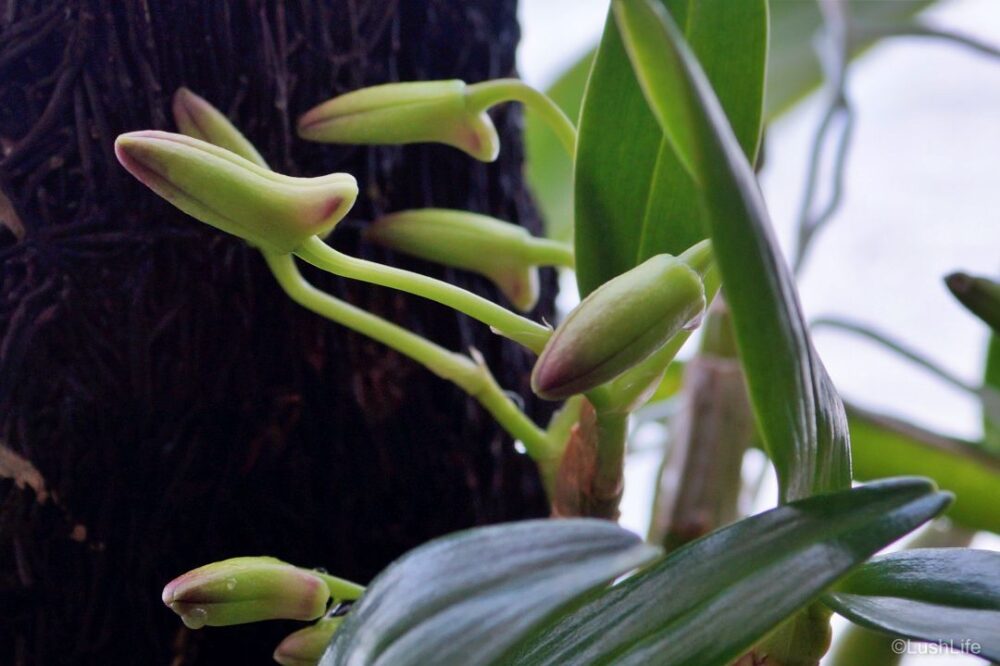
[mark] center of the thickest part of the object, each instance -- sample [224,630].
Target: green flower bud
[306,646]
[497,250]
[195,117]
[220,188]
[246,589]
[619,325]
[398,113]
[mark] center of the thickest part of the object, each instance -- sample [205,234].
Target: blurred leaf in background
[793,71]
[547,166]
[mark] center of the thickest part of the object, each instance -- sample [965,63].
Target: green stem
[982,392]
[631,388]
[471,376]
[916,28]
[503,321]
[612,432]
[340,589]
[547,252]
[482,96]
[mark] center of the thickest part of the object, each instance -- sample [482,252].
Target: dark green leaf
[945,595]
[710,601]
[799,413]
[633,197]
[882,446]
[479,591]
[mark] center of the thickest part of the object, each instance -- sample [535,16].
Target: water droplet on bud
[195,618]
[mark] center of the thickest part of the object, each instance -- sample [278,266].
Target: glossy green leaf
[479,591]
[799,413]
[882,446]
[710,601]
[633,197]
[943,595]
[547,166]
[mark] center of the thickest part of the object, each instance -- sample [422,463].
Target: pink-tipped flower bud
[400,113]
[196,117]
[619,325]
[305,647]
[220,188]
[500,251]
[246,589]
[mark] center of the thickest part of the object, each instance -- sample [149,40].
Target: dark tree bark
[177,406]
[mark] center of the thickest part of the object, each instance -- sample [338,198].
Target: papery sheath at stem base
[582,488]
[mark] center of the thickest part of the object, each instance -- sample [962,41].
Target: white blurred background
[922,199]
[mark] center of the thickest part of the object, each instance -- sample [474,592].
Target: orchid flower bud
[220,188]
[246,589]
[399,113]
[305,647]
[197,118]
[619,325]
[500,251]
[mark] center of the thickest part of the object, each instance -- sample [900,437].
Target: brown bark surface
[177,407]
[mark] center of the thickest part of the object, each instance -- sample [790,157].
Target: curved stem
[548,252]
[471,376]
[834,56]
[340,589]
[482,96]
[916,28]
[503,321]
[983,392]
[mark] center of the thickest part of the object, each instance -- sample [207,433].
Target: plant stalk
[483,95]
[503,321]
[470,375]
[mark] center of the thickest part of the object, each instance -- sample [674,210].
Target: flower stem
[471,376]
[340,589]
[483,95]
[503,321]
[547,252]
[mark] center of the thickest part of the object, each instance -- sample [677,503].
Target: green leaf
[799,413]
[479,591]
[882,446]
[943,595]
[710,601]
[548,168]
[793,68]
[633,197]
